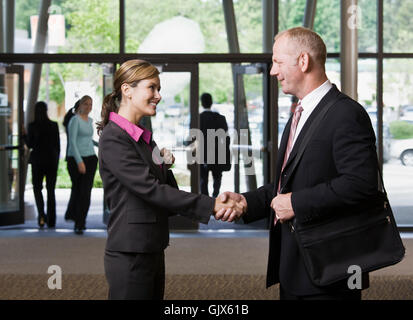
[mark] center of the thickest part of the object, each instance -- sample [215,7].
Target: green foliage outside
[401,130]
[92,27]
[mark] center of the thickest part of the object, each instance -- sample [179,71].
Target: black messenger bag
[368,239]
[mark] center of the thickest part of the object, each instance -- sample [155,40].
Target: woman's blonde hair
[82,101]
[130,72]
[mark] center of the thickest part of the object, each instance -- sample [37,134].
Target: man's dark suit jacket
[214,120]
[43,138]
[140,195]
[336,174]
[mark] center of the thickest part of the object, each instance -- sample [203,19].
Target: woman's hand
[168,157]
[81,167]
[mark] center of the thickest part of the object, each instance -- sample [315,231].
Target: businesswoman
[43,138]
[140,191]
[81,163]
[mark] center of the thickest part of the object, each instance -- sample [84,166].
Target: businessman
[337,171]
[213,121]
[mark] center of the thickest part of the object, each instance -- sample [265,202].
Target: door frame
[239,71]
[17,216]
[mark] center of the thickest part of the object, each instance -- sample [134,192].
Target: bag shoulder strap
[314,126]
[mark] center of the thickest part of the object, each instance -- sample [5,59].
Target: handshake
[230,206]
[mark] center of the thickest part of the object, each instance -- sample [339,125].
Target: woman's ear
[125,88]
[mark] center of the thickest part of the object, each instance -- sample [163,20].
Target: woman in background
[68,116]
[81,163]
[43,139]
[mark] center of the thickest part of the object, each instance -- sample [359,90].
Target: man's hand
[283,207]
[237,204]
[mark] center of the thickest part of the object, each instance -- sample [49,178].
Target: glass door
[176,114]
[250,142]
[11,147]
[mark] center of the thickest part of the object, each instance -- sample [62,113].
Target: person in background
[213,120]
[81,163]
[140,189]
[68,116]
[43,138]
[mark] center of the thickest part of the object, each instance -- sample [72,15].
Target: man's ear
[304,61]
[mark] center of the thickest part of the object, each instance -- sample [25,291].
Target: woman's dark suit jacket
[140,195]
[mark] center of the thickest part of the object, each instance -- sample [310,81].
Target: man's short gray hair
[308,41]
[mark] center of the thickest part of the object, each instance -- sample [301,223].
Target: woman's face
[145,97]
[85,107]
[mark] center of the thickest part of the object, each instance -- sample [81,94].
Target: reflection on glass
[175,26]
[398,112]
[9,156]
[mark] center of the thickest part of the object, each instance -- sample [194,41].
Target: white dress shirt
[309,102]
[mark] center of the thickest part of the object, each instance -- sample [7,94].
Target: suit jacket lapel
[146,154]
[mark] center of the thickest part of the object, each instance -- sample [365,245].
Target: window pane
[82,26]
[326,21]
[397,25]
[175,26]
[367,32]
[367,88]
[23,39]
[291,13]
[217,79]
[333,71]
[61,85]
[398,114]
[248,15]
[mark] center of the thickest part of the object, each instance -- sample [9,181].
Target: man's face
[285,65]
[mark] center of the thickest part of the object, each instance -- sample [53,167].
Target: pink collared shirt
[132,129]
[136,132]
